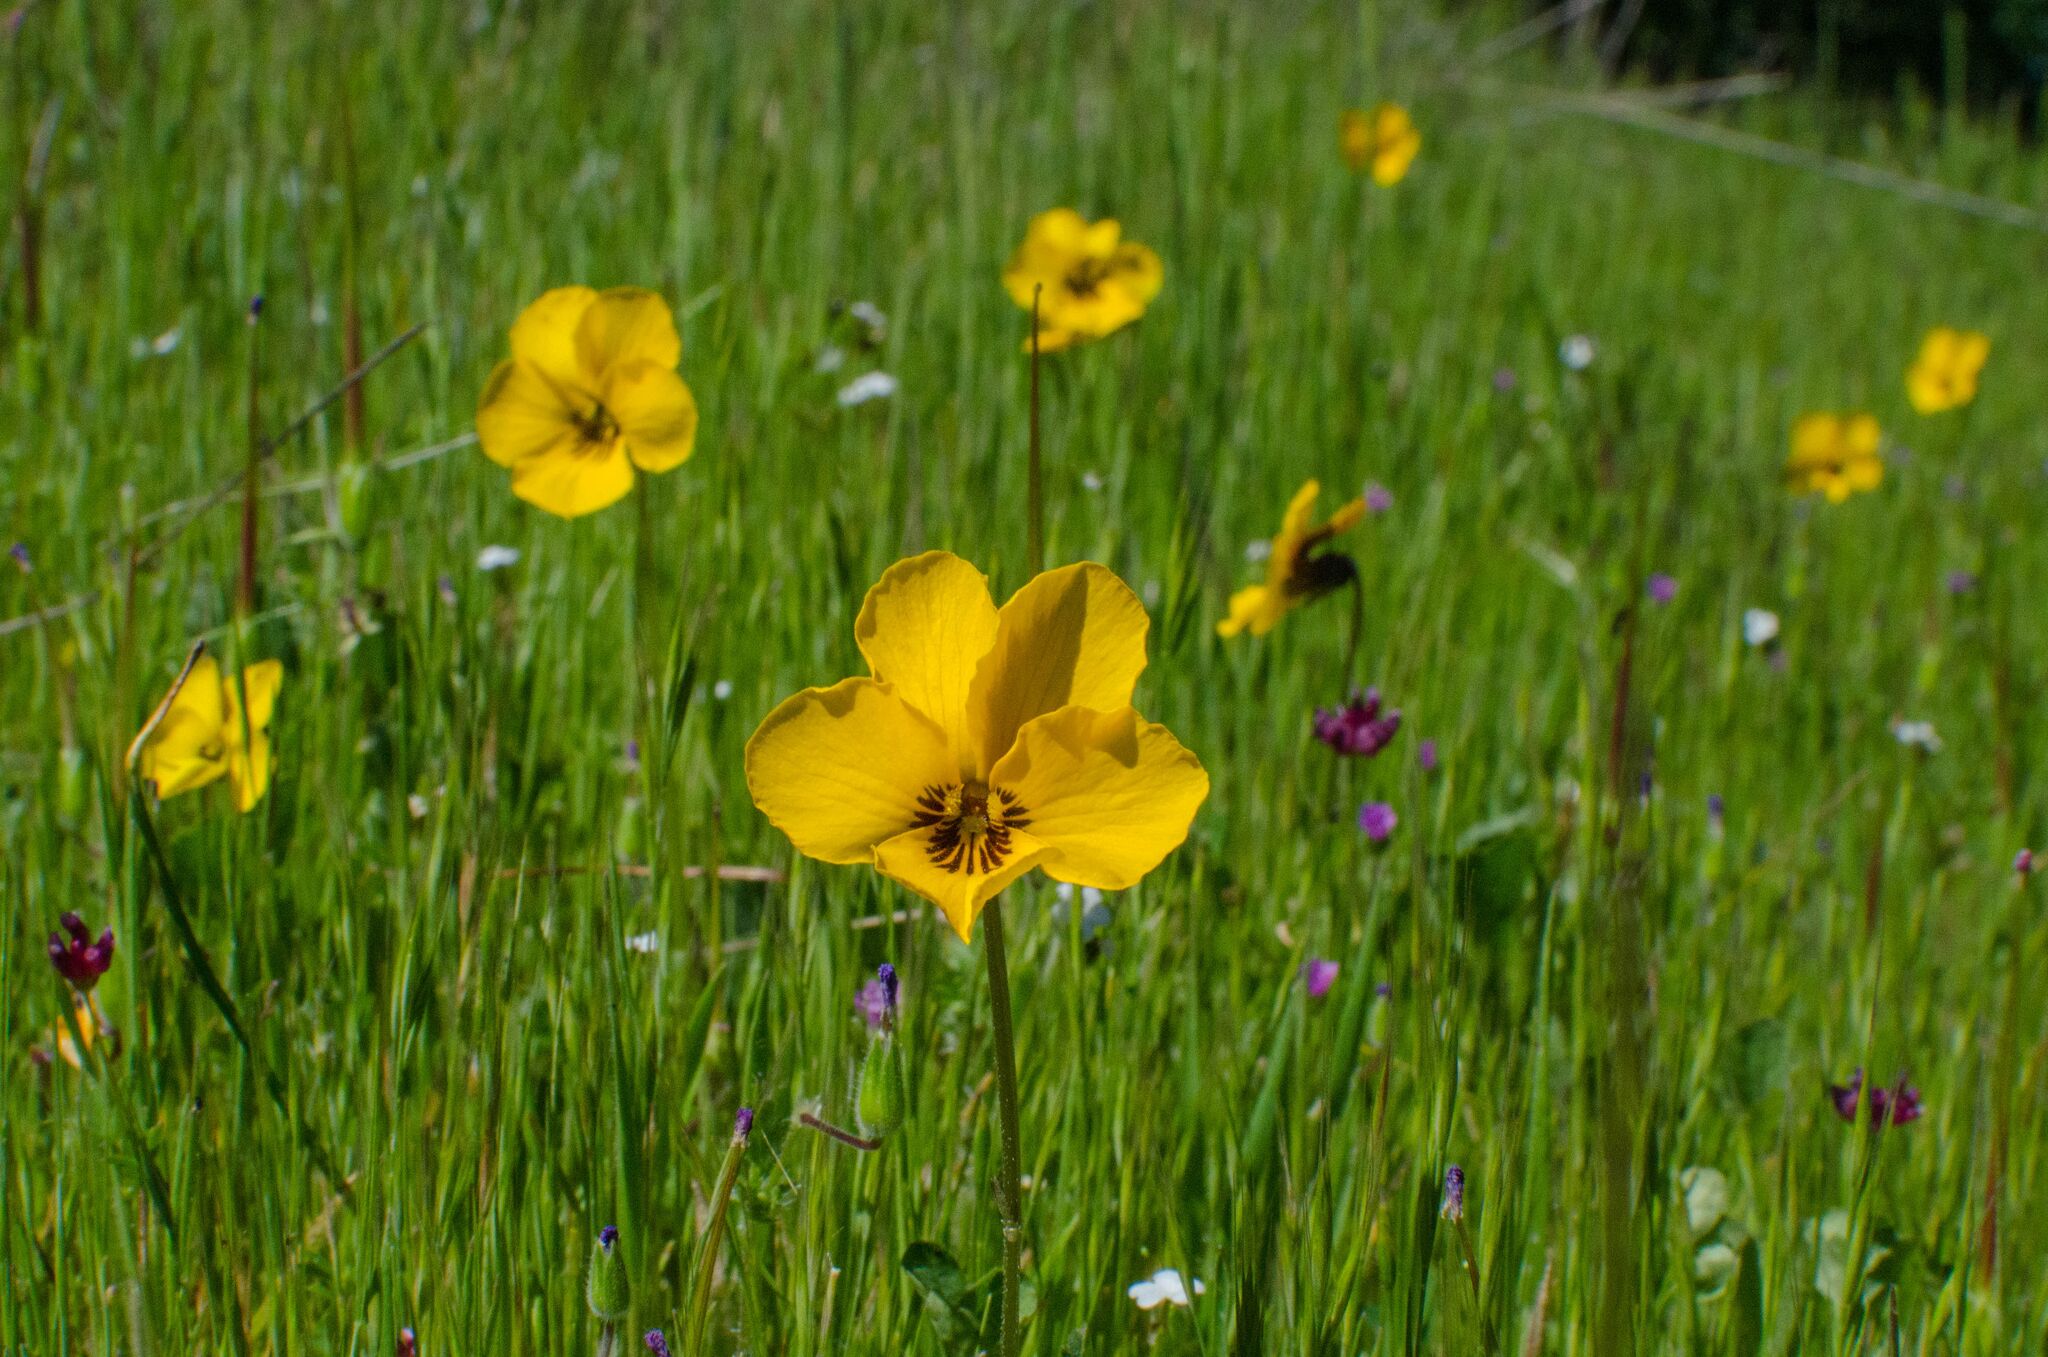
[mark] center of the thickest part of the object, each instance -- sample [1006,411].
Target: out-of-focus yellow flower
[1088,279]
[1944,376]
[1382,139]
[56,1041]
[589,393]
[203,732]
[1295,571]
[987,741]
[1834,455]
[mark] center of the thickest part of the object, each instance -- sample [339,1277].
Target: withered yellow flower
[1835,455]
[1944,376]
[589,393]
[1295,571]
[1382,139]
[1088,280]
[206,732]
[985,741]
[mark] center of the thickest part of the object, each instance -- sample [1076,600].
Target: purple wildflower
[1893,1106]
[1377,819]
[1454,1194]
[1503,380]
[19,551]
[2023,861]
[608,1237]
[1961,581]
[1425,755]
[1317,975]
[81,960]
[408,1345]
[743,1123]
[1663,588]
[1378,498]
[876,1002]
[1358,729]
[657,1343]
[1383,989]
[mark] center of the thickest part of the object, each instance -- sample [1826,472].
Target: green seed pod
[608,1292]
[880,1101]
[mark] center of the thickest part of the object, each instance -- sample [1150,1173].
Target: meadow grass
[1617,1012]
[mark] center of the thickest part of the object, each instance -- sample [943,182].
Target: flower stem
[838,1133]
[245,578]
[707,1261]
[1357,630]
[1009,1191]
[1036,558]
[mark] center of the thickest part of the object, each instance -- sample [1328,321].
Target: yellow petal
[1104,311]
[1100,238]
[626,325]
[960,894]
[188,748]
[249,772]
[1863,473]
[1252,607]
[1927,391]
[656,413]
[1108,792]
[261,681]
[524,414]
[1071,637]
[1137,270]
[1816,438]
[923,628]
[572,484]
[840,769]
[544,336]
[1053,243]
[1860,436]
[1051,340]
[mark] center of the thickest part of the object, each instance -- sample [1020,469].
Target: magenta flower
[1358,729]
[1894,1106]
[408,1343]
[1378,498]
[1454,1194]
[1425,755]
[81,960]
[1317,976]
[1663,588]
[2023,861]
[1377,819]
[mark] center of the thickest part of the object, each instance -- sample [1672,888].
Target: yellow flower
[1088,279]
[1834,455]
[57,1036]
[1944,376]
[200,733]
[987,742]
[1294,575]
[1382,139]
[589,393]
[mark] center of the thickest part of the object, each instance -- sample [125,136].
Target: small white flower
[869,386]
[158,347]
[496,558]
[1916,735]
[831,358]
[645,943]
[317,312]
[1162,1287]
[1258,551]
[1759,626]
[870,315]
[1092,480]
[417,806]
[722,689]
[1576,352]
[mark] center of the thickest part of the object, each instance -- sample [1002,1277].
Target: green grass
[1588,999]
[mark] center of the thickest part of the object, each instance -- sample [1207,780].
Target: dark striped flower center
[971,825]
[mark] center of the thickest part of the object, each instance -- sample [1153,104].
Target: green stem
[707,1261]
[1036,499]
[1009,1191]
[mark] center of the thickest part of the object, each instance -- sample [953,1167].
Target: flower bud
[608,1292]
[879,1104]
